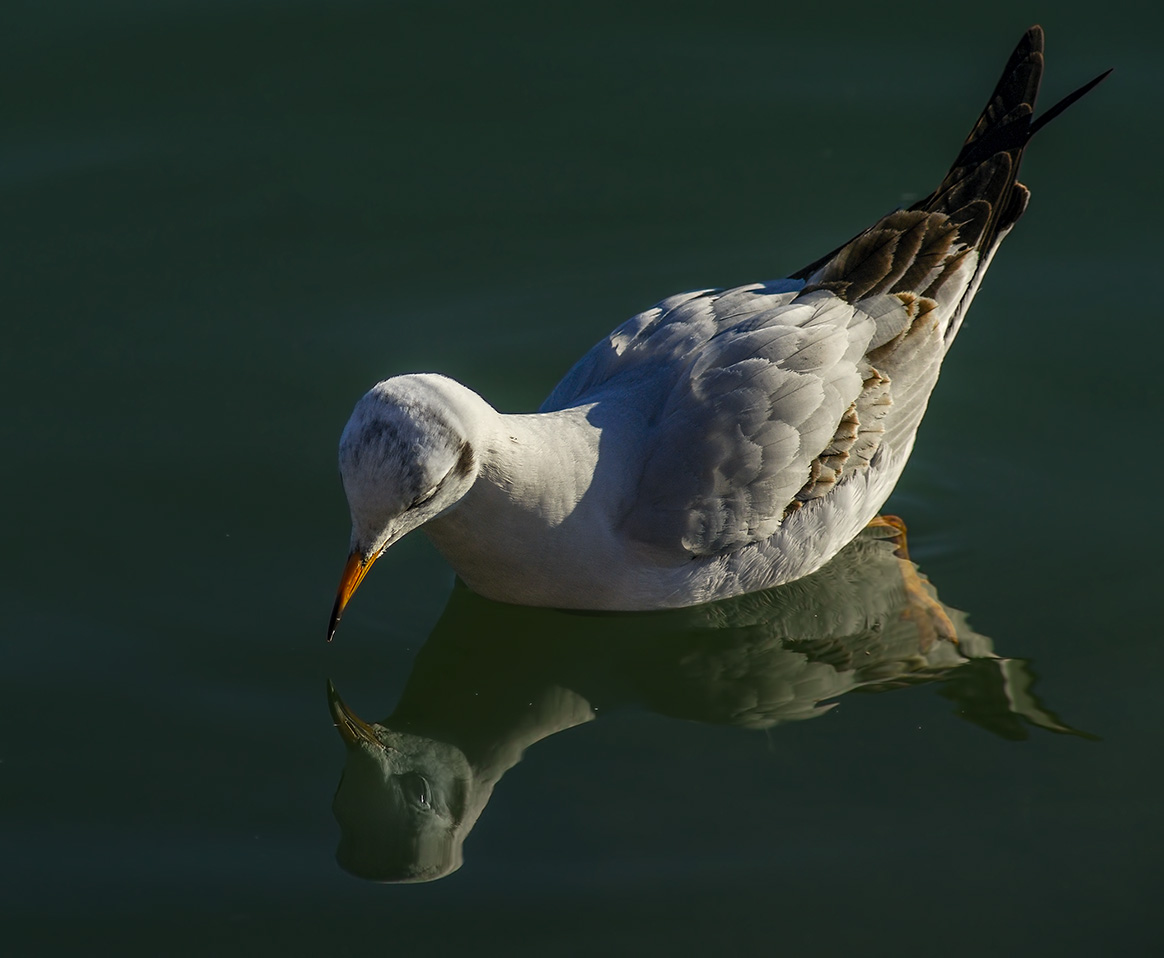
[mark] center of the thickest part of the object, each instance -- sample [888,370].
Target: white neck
[544,507]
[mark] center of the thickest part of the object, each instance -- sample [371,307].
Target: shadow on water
[493,679]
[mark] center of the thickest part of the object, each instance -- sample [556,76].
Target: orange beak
[354,573]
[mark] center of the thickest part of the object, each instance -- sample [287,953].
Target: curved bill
[351,727]
[354,572]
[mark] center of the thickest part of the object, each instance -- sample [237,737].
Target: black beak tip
[333,623]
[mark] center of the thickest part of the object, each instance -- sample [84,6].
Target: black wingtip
[1062,105]
[1008,122]
[1003,126]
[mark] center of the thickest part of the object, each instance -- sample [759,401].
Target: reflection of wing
[997,695]
[788,653]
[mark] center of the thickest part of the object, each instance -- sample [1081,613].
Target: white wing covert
[656,344]
[765,398]
[742,427]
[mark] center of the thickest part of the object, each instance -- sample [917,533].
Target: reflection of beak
[354,573]
[351,727]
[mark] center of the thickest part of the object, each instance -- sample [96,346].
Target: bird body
[721,442]
[564,487]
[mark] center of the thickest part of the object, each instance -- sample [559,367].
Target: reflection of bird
[494,679]
[721,442]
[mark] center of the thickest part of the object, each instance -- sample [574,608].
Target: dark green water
[224,221]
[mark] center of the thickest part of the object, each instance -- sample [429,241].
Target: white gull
[723,441]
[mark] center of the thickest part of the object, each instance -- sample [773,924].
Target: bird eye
[421,500]
[416,789]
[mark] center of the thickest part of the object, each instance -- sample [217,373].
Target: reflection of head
[403,803]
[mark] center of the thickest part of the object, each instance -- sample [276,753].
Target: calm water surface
[223,221]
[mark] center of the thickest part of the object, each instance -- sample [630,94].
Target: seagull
[722,442]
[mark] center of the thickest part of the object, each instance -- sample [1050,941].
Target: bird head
[406,456]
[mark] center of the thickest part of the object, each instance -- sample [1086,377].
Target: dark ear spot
[464,464]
